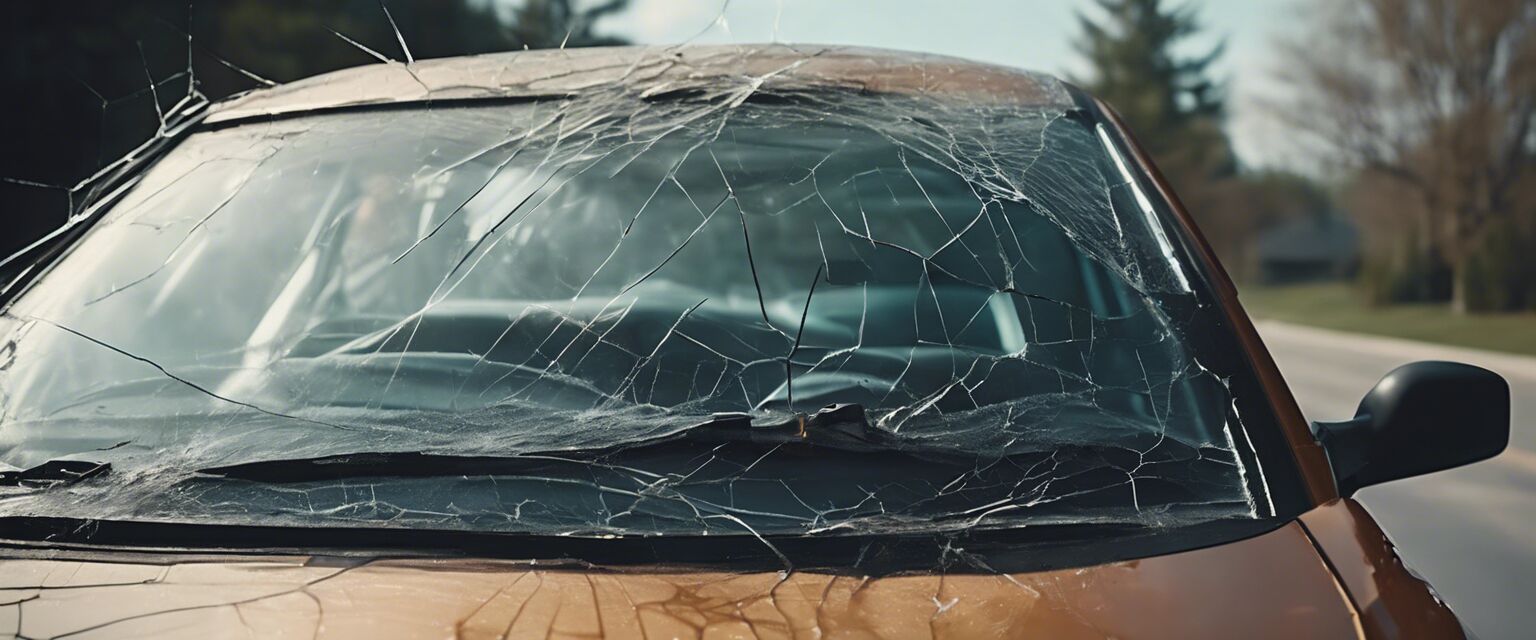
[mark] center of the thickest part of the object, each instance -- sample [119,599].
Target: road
[1471,532]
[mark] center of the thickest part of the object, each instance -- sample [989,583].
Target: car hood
[1275,584]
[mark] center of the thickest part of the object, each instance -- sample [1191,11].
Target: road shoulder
[1506,364]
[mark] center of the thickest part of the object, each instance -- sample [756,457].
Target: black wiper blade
[836,427]
[54,473]
[839,426]
[393,464]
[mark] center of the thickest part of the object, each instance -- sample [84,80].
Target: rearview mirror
[1422,417]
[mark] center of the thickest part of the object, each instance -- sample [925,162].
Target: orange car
[677,342]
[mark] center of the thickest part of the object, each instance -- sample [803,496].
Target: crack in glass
[643,288]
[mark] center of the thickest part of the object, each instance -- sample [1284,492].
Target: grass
[1338,306]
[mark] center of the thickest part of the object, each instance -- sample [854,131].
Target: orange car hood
[1271,585]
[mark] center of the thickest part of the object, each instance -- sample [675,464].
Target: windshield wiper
[838,426]
[53,473]
[834,428]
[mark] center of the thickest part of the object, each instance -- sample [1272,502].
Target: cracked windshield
[775,318]
[766,304]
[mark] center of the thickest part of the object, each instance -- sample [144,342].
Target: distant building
[1308,248]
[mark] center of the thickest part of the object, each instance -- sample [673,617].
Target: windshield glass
[572,286]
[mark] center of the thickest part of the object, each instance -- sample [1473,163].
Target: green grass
[1338,306]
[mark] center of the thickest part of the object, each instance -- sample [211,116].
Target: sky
[1031,34]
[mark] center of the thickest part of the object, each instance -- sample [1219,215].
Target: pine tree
[1135,69]
[550,24]
[1172,105]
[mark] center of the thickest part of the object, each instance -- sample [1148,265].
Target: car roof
[648,70]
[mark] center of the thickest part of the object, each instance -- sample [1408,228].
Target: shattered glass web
[604,270]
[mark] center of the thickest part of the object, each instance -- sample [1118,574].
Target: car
[778,341]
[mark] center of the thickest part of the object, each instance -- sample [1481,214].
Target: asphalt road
[1471,532]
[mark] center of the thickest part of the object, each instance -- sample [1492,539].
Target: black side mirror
[1422,417]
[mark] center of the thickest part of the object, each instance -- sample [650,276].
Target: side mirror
[1421,418]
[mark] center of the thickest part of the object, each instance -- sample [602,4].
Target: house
[1308,248]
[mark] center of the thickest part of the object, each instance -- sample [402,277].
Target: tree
[550,24]
[1136,70]
[1433,99]
[1172,105]
[84,69]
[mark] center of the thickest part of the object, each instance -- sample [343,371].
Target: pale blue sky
[1033,34]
